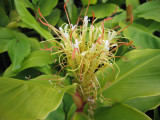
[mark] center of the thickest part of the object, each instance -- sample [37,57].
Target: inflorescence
[84,50]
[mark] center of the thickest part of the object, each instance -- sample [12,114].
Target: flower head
[86,50]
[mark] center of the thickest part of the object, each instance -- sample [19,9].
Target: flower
[87,50]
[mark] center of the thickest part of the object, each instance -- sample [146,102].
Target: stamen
[74,52]
[92,18]
[127,44]
[98,40]
[52,27]
[67,13]
[87,7]
[108,18]
[127,25]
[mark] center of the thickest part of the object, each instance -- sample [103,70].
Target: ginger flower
[84,51]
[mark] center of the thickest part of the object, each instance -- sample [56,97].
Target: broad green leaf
[23,25]
[149,10]
[14,19]
[138,77]
[18,49]
[85,2]
[45,69]
[4,18]
[115,21]
[6,36]
[35,2]
[72,11]
[29,19]
[144,22]
[67,103]
[119,112]
[53,18]
[80,116]
[46,6]
[35,59]
[57,114]
[144,103]
[134,3]
[54,80]
[13,16]
[28,100]
[154,26]
[35,45]
[101,10]
[71,111]
[28,4]
[141,36]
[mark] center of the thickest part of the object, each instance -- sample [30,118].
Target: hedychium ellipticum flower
[84,50]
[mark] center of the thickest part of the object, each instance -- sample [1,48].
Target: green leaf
[35,2]
[4,18]
[72,11]
[6,36]
[67,103]
[119,112]
[100,10]
[141,36]
[28,100]
[45,69]
[28,4]
[57,114]
[35,59]
[80,116]
[134,3]
[154,26]
[115,21]
[138,77]
[71,111]
[18,49]
[85,2]
[35,45]
[144,103]
[53,18]
[29,19]
[149,10]
[46,6]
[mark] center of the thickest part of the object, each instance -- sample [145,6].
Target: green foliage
[136,78]
[6,36]
[119,112]
[144,103]
[46,6]
[31,99]
[5,20]
[85,2]
[100,10]
[72,11]
[149,10]
[29,19]
[18,49]
[35,59]
[141,36]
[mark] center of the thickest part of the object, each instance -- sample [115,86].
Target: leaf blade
[28,100]
[138,77]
